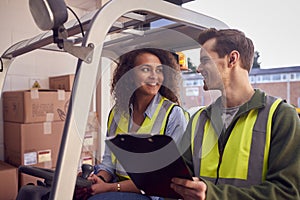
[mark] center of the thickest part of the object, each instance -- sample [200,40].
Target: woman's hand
[188,189]
[99,186]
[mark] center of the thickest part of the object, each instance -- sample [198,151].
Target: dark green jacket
[283,175]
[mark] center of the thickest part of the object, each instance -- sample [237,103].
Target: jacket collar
[149,112]
[258,100]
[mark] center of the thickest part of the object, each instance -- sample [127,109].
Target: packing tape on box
[34,94]
[47,127]
[49,117]
[61,95]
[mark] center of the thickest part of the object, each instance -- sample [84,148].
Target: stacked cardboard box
[31,106]
[25,179]
[89,143]
[89,147]
[8,181]
[34,144]
[33,126]
[63,82]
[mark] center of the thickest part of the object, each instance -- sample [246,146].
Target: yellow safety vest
[156,124]
[244,159]
[186,115]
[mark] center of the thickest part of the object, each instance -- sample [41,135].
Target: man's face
[211,67]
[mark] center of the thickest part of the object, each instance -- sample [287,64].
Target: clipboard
[151,161]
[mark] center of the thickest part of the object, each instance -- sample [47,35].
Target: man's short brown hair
[228,40]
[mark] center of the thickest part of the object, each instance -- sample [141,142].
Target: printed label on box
[39,110]
[87,160]
[88,140]
[30,158]
[47,127]
[44,156]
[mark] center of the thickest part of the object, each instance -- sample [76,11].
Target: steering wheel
[48,175]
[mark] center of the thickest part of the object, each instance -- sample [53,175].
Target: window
[280,77]
[292,76]
[295,76]
[258,79]
[298,76]
[266,78]
[284,77]
[276,77]
[252,79]
[195,82]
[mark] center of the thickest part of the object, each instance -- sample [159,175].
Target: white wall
[16,25]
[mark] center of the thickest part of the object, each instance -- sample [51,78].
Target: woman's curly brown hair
[123,90]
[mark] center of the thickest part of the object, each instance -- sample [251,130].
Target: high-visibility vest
[186,115]
[157,124]
[244,160]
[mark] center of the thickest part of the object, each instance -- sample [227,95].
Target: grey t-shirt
[228,114]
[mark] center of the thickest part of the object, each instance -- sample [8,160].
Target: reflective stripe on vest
[157,125]
[245,156]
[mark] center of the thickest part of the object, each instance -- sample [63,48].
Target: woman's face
[148,74]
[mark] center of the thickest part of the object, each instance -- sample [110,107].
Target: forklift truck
[104,34]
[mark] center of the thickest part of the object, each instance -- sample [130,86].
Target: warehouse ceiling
[88,5]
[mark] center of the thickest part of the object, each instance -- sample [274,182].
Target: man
[245,145]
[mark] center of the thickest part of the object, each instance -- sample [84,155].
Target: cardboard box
[64,82]
[8,181]
[25,179]
[86,157]
[34,144]
[90,142]
[32,106]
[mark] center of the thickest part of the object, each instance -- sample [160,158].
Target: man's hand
[188,189]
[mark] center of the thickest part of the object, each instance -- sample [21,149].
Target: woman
[145,88]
